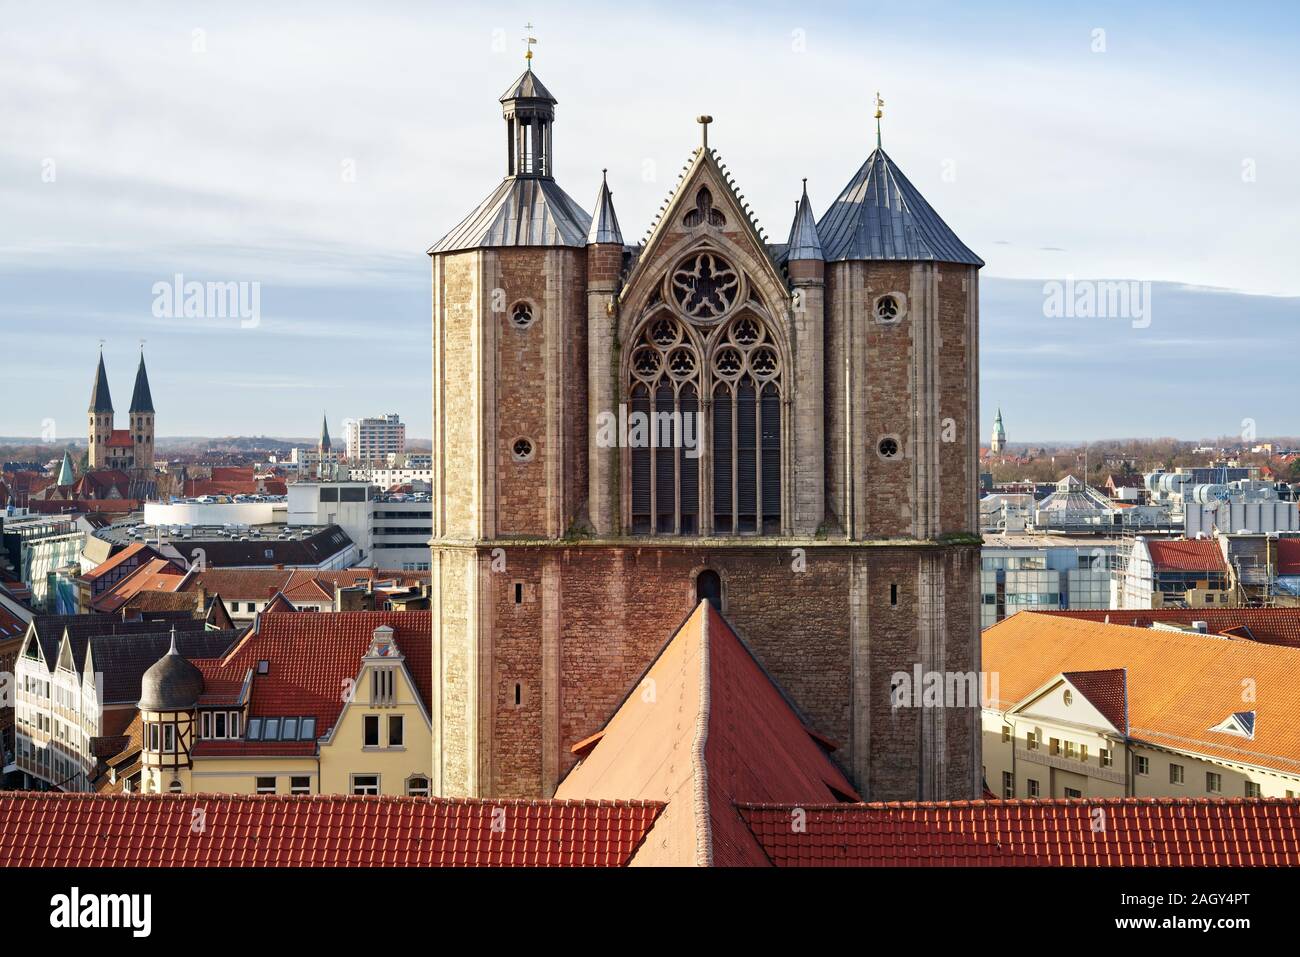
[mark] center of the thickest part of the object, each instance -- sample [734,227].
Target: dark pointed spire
[100,400]
[804,241]
[141,399]
[324,433]
[604,224]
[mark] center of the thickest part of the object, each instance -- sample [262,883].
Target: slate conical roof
[882,216]
[324,433]
[604,225]
[100,400]
[804,242]
[527,87]
[141,399]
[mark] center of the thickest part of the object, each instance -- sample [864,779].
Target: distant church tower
[999,440]
[130,448]
[141,418]
[323,446]
[824,498]
[101,417]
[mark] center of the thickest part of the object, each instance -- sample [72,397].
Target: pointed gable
[880,215]
[706,727]
[704,209]
[1105,690]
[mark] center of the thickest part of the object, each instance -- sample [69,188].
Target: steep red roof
[716,730]
[1133,832]
[1270,626]
[158,830]
[310,656]
[1107,690]
[1191,555]
[120,439]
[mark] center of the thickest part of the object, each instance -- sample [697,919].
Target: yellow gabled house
[304,704]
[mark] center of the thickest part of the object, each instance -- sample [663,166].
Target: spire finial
[880,111]
[805,185]
[529,40]
[173,650]
[704,122]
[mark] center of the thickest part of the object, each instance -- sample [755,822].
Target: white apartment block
[374,439]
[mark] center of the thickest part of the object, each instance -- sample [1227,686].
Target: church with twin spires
[828,509]
[125,449]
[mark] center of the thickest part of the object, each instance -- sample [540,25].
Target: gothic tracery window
[714,345]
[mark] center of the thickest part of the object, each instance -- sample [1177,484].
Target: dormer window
[1240,723]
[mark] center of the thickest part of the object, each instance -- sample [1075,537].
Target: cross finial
[880,111]
[704,122]
[101,344]
[529,40]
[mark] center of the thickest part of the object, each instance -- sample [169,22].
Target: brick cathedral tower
[816,479]
[131,448]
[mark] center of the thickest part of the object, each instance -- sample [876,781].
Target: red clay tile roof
[11,626]
[259,584]
[1107,690]
[135,548]
[717,730]
[1134,832]
[1288,556]
[310,656]
[1272,626]
[120,439]
[1181,685]
[1194,555]
[158,574]
[156,830]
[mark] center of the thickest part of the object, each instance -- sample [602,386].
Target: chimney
[1202,626]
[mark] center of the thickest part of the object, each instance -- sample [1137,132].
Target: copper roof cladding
[153,830]
[880,215]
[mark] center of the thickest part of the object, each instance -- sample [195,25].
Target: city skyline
[1058,176]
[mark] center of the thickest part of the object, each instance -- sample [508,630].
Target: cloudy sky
[318,149]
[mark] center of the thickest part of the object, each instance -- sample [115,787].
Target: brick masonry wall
[613,608]
[958,362]
[521,392]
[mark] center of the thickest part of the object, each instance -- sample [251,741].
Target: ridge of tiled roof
[1271,626]
[725,732]
[154,830]
[1180,684]
[1138,832]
